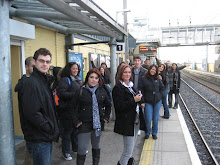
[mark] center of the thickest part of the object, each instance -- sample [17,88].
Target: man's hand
[91,59]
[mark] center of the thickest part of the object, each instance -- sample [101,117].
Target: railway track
[206,118]
[208,84]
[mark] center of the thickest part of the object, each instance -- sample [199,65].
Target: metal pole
[126,29]
[112,45]
[207,56]
[7,145]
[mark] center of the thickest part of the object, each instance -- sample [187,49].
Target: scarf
[95,110]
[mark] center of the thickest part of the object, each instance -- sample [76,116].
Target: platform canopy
[68,17]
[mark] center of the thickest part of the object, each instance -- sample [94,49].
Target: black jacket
[68,100]
[18,88]
[125,110]
[85,109]
[151,89]
[40,122]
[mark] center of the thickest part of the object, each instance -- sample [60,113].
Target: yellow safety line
[147,152]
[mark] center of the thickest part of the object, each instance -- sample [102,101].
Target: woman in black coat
[68,92]
[94,109]
[174,83]
[128,117]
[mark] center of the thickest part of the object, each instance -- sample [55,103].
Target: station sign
[120,47]
[147,49]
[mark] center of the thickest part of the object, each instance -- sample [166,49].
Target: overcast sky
[159,12]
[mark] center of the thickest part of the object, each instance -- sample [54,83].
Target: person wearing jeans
[40,125]
[152,88]
[45,150]
[151,113]
[164,77]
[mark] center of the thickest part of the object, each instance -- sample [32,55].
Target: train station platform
[173,146]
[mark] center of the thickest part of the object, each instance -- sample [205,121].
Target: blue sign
[77,57]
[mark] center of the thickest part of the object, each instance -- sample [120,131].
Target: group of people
[82,108]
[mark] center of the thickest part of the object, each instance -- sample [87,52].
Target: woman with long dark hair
[68,92]
[164,77]
[128,117]
[94,108]
[152,89]
[174,83]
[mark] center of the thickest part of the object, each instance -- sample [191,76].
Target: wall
[15,76]
[53,41]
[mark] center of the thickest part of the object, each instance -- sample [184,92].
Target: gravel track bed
[207,93]
[204,156]
[206,118]
[206,82]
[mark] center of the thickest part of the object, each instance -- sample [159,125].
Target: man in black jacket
[29,64]
[40,123]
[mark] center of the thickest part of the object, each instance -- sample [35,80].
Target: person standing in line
[29,64]
[152,89]
[164,77]
[94,108]
[146,64]
[174,83]
[68,91]
[129,119]
[40,122]
[104,66]
[137,72]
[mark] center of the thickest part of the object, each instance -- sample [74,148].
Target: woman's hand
[106,121]
[143,105]
[138,97]
[78,125]
[159,76]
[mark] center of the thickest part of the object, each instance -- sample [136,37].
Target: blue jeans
[69,135]
[164,102]
[151,112]
[40,152]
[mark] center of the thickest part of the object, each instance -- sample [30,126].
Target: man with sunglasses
[40,123]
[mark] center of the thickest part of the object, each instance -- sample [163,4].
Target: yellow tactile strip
[147,152]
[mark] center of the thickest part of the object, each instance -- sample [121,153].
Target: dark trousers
[170,98]
[69,135]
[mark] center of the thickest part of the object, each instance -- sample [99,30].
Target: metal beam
[7,146]
[60,28]
[64,8]
[96,11]
[39,14]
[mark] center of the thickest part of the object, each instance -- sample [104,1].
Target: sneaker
[139,132]
[175,107]
[67,156]
[87,152]
[154,137]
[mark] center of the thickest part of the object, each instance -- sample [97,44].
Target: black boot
[131,161]
[95,156]
[80,160]
[118,163]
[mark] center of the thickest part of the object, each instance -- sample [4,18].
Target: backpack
[56,94]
